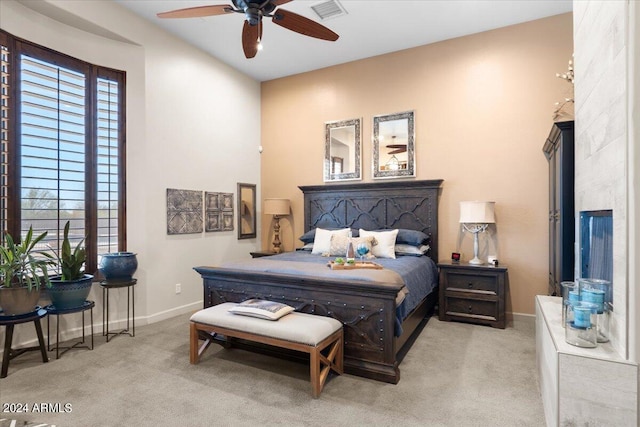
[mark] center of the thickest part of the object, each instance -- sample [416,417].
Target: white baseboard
[521,320]
[114,325]
[173,312]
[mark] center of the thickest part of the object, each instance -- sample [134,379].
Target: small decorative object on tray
[337,265]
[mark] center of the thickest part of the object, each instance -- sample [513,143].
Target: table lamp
[277,208]
[475,217]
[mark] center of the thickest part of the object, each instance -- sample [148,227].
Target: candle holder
[598,292]
[570,293]
[582,330]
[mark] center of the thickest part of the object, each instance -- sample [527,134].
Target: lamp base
[476,261]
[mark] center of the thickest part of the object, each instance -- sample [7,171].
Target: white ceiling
[370,28]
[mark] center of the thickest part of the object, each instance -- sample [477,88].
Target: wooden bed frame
[368,312]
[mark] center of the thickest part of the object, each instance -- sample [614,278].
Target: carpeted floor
[454,375]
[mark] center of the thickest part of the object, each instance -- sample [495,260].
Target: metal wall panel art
[218,211]
[184,211]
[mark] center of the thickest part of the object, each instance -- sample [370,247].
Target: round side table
[131,306]
[52,310]
[9,322]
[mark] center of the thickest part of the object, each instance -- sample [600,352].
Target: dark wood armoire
[559,150]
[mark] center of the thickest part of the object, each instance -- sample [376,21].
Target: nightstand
[260,254]
[473,293]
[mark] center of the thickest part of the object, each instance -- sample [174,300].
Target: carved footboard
[367,311]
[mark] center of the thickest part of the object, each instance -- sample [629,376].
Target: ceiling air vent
[328,9]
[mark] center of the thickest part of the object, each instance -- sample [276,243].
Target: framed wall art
[218,211]
[184,211]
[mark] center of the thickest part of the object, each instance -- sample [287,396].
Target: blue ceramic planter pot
[67,294]
[118,265]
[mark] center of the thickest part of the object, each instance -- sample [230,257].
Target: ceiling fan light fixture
[253,16]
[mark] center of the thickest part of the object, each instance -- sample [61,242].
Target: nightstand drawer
[471,308]
[471,282]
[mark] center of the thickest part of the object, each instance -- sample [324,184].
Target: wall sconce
[277,208]
[475,217]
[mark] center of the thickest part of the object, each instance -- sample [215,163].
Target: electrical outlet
[178,288]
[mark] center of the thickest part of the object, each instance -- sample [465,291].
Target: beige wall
[483,106]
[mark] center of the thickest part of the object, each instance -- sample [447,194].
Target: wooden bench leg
[194,335]
[321,365]
[316,384]
[193,344]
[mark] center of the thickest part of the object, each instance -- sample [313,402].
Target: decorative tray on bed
[358,264]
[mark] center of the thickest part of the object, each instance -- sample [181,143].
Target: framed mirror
[394,145]
[342,150]
[246,211]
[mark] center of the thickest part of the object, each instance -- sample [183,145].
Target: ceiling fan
[254,11]
[396,148]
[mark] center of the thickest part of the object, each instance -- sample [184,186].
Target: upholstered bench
[296,331]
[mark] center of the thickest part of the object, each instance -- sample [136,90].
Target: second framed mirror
[394,145]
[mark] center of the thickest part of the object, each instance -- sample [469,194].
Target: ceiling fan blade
[279,2]
[251,36]
[197,12]
[397,146]
[398,151]
[300,24]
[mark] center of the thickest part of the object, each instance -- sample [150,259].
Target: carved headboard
[373,206]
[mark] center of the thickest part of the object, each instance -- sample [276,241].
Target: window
[63,142]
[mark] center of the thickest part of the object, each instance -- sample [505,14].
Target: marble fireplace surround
[581,386]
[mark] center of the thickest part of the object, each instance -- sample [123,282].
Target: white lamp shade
[477,212]
[278,207]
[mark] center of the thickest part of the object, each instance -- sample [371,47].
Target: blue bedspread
[419,274]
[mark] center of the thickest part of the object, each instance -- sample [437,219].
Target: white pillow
[386,242]
[262,309]
[322,241]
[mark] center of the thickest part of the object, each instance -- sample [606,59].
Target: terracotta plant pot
[18,300]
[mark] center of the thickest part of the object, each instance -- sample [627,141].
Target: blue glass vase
[118,265]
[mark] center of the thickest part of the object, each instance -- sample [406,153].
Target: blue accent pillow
[308,237]
[410,237]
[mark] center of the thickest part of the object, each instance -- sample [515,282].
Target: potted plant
[23,269]
[71,287]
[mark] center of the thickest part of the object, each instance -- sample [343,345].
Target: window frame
[16,47]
